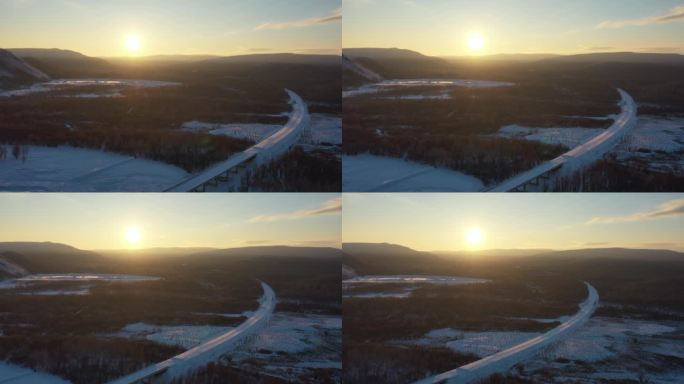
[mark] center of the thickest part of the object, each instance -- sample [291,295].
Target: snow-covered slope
[12,67]
[360,70]
[8,268]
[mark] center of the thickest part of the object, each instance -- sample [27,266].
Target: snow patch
[252,132]
[322,128]
[14,374]
[369,173]
[185,336]
[567,137]
[71,169]
[62,84]
[390,84]
[415,279]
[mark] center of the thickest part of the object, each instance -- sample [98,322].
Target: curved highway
[209,351]
[502,361]
[268,149]
[584,154]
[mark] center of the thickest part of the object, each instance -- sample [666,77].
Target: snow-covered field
[209,350]
[410,281]
[293,344]
[186,336]
[107,84]
[393,84]
[13,374]
[252,132]
[42,279]
[584,154]
[568,137]
[414,279]
[69,169]
[480,344]
[368,173]
[322,128]
[656,140]
[293,333]
[603,338]
[503,360]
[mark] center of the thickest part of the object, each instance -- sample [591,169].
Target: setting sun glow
[133,44]
[476,42]
[474,237]
[133,236]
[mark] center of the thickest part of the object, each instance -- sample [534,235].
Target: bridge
[580,156]
[503,361]
[270,148]
[207,352]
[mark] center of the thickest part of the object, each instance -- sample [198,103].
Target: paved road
[502,361]
[264,151]
[584,154]
[210,351]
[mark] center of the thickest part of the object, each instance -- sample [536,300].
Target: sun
[133,236]
[474,236]
[476,42]
[133,44]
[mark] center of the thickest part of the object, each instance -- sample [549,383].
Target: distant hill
[46,257]
[380,250]
[60,63]
[272,251]
[504,57]
[393,63]
[383,53]
[617,253]
[15,71]
[43,53]
[494,253]
[279,58]
[620,57]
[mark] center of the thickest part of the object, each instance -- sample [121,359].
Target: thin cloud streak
[334,17]
[676,14]
[330,207]
[672,208]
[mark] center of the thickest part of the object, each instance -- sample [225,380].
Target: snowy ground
[406,285]
[582,155]
[211,349]
[657,141]
[615,349]
[480,344]
[293,344]
[322,128]
[252,132]
[85,278]
[568,137]
[503,360]
[110,86]
[13,374]
[368,173]
[394,84]
[414,279]
[186,336]
[69,169]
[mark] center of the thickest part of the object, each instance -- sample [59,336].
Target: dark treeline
[297,171]
[610,175]
[390,364]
